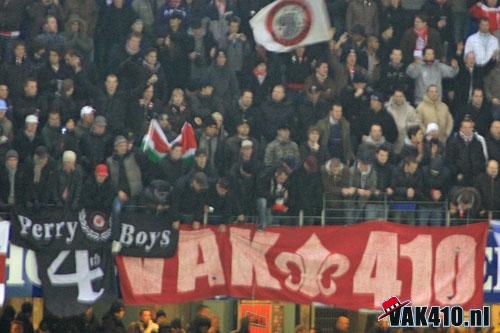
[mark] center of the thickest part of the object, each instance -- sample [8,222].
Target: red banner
[350,267]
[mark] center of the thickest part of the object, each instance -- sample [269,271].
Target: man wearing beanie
[26,141]
[96,145]
[67,187]
[11,180]
[87,115]
[38,172]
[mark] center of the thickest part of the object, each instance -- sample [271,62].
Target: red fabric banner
[351,267]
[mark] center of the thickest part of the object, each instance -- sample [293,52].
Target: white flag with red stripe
[284,25]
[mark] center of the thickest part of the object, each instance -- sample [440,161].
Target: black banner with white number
[147,235]
[73,252]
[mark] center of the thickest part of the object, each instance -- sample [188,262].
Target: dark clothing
[69,184]
[14,74]
[50,79]
[384,175]
[95,149]
[111,324]
[226,208]
[482,117]
[409,39]
[27,323]
[306,192]
[243,176]
[441,182]
[171,170]
[175,59]
[186,201]
[273,115]
[204,106]
[402,181]
[236,115]
[353,110]
[25,146]
[114,109]
[97,197]
[489,188]
[392,77]
[383,118]
[308,115]
[493,148]
[25,106]
[439,12]
[36,189]
[466,81]
[19,188]
[464,158]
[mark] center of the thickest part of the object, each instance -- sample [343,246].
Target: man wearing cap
[312,110]
[29,103]
[233,144]
[11,180]
[433,110]
[68,181]
[96,145]
[225,203]
[378,115]
[464,154]
[87,115]
[281,147]
[26,141]
[39,169]
[98,192]
[112,321]
[324,84]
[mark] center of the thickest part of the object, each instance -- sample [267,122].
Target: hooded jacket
[464,158]
[364,12]
[435,112]
[426,75]
[404,116]
[324,127]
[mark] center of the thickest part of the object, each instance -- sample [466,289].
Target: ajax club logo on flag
[289,22]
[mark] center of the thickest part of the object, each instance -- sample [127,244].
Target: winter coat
[267,188]
[26,105]
[204,106]
[308,115]
[365,13]
[86,10]
[19,186]
[227,207]
[111,324]
[52,139]
[409,40]
[441,182]
[133,174]
[236,115]
[24,146]
[435,112]
[465,82]
[278,150]
[245,185]
[97,197]
[333,184]
[404,116]
[12,14]
[465,158]
[324,127]
[482,117]
[14,75]
[425,76]
[36,193]
[383,118]
[366,181]
[71,182]
[225,83]
[171,170]
[36,13]
[489,188]
[186,201]
[402,181]
[492,83]
[306,192]
[95,149]
[114,24]
[493,148]
[114,109]
[327,88]
[392,77]
[273,115]
[437,12]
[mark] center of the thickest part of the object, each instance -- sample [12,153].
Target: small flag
[188,142]
[284,25]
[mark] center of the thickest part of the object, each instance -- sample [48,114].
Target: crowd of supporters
[402,105]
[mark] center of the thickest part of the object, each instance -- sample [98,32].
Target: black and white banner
[147,235]
[73,253]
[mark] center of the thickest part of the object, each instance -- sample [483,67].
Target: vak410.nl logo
[402,314]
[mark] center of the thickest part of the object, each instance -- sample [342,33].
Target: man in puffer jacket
[433,110]
[404,116]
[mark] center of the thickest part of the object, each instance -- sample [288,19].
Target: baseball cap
[86,110]
[101,170]
[377,97]
[100,121]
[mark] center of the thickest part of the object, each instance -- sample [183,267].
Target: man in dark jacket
[112,320]
[272,195]
[309,113]
[190,198]
[172,165]
[11,180]
[435,186]
[39,171]
[244,109]
[464,154]
[204,103]
[224,203]
[407,186]
[488,185]
[493,141]
[51,134]
[424,35]
[96,145]
[97,191]
[17,70]
[378,115]
[29,103]
[275,112]
[393,75]
[26,141]
[478,110]
[68,181]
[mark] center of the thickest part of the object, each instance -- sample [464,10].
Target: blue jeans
[263,212]
[432,216]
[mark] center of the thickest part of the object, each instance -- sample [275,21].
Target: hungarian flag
[284,25]
[157,146]
[4,244]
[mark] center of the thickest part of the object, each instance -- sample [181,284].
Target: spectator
[364,182]
[379,115]
[8,315]
[465,204]
[112,320]
[364,13]
[244,110]
[479,111]
[170,9]
[53,73]
[322,83]
[336,180]
[435,186]
[488,185]
[125,172]
[224,203]
[342,324]
[30,103]
[6,128]
[87,321]
[10,24]
[17,327]
[65,101]
[237,46]
[312,147]
[51,134]
[51,38]
[203,320]
[233,144]
[98,191]
[112,104]
[178,111]
[153,74]
[493,141]
[433,110]
[204,103]
[68,181]
[393,75]
[492,89]
[407,187]
[383,167]
[441,19]
[483,44]
[191,197]
[125,62]
[95,145]
[394,20]
[37,13]
[465,155]
[224,80]
[39,171]
[85,10]
[335,135]
[12,180]
[373,140]
[209,140]
[172,166]
[17,69]
[275,112]
[201,165]
[272,196]
[307,190]
[145,324]
[310,112]
[25,317]
[404,116]
[282,147]
[414,144]
[298,68]
[415,40]
[430,72]
[26,141]
[203,52]
[176,326]
[489,9]
[432,146]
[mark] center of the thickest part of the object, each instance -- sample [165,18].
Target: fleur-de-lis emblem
[312,260]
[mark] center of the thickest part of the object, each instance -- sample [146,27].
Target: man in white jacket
[482,43]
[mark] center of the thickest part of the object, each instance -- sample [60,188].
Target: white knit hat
[69,156]
[431,128]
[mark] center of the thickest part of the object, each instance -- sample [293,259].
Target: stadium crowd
[402,105]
